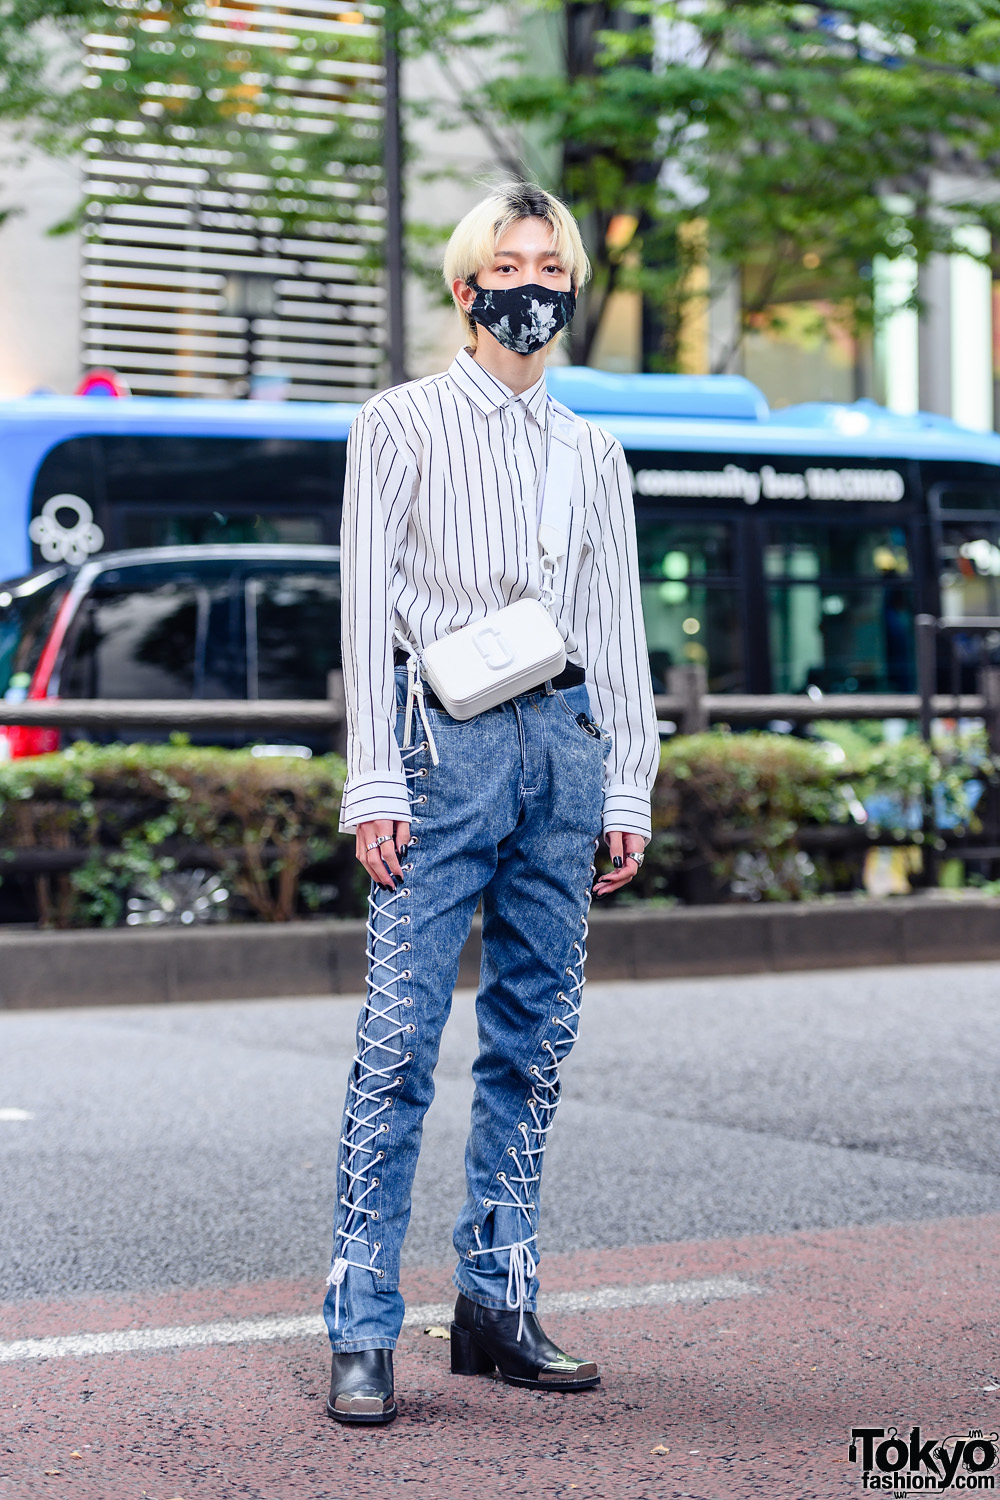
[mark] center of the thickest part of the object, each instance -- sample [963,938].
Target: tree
[797,144]
[281,116]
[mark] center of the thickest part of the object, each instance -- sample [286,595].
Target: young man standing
[444,482]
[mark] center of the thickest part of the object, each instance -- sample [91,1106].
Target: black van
[239,621]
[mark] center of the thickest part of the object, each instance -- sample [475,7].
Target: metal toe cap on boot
[532,1360]
[576,1370]
[361,1387]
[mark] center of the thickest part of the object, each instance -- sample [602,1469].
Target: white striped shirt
[440,529]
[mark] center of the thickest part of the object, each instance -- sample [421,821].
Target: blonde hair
[475,238]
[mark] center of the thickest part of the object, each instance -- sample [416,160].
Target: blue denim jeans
[511,815]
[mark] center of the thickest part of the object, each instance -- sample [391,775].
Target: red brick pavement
[749,1397]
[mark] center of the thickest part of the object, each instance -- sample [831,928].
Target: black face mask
[522,318]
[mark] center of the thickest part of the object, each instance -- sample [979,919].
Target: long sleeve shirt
[440,529]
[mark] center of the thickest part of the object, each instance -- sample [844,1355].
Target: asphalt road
[195,1145]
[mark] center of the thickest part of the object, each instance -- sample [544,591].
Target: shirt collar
[489,394]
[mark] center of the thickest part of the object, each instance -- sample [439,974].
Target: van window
[27,612]
[139,634]
[293,622]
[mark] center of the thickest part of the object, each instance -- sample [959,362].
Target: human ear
[463,293]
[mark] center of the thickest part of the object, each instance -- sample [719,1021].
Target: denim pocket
[582,719]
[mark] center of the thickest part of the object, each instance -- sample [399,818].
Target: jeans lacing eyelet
[375,1183]
[511,1150]
[408,1000]
[423,771]
[378,1244]
[379,1155]
[409,866]
[414,840]
[397,1082]
[424,745]
[408,1057]
[406,974]
[421,799]
[411,1028]
[405,892]
[374,1215]
[502,1176]
[380,1274]
[383,1130]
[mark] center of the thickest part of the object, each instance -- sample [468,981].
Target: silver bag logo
[917,1464]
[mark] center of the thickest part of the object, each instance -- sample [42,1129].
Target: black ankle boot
[486,1337]
[361,1387]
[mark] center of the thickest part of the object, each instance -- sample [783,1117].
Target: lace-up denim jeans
[511,814]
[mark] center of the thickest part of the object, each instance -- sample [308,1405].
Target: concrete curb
[122,966]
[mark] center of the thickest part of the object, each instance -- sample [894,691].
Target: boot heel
[466,1356]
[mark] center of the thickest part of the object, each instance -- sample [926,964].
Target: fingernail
[617,861]
[402,850]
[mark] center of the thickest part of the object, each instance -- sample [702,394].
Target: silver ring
[383,838]
[370,847]
[638,859]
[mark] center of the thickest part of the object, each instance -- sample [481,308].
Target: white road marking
[311,1325]
[9,1113]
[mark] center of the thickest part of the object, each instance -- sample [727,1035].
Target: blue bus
[781,550]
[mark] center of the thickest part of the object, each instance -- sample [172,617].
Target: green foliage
[720,798]
[730,815]
[133,810]
[907,785]
[279,116]
[730,810]
[772,132]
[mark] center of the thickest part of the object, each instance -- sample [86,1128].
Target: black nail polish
[617,861]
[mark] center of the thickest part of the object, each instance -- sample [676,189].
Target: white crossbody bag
[515,648]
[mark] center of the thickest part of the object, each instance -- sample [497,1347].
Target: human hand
[380,846]
[620,846]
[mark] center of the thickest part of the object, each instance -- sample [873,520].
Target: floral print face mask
[522,318]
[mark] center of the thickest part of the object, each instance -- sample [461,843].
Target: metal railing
[692,708]
[688,703]
[327,713]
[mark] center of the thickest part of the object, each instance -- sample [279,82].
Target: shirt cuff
[372,795]
[626,810]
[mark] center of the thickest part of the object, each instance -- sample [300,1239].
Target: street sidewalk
[747,1385]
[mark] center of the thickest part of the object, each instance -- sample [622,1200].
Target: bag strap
[560,470]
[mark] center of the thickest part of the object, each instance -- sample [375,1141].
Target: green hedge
[731,813]
[140,812]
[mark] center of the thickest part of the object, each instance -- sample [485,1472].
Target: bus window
[968,496]
[691,600]
[699,549]
[842,639]
[137,528]
[26,615]
[293,634]
[154,490]
[826,629]
[970,569]
[818,551]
